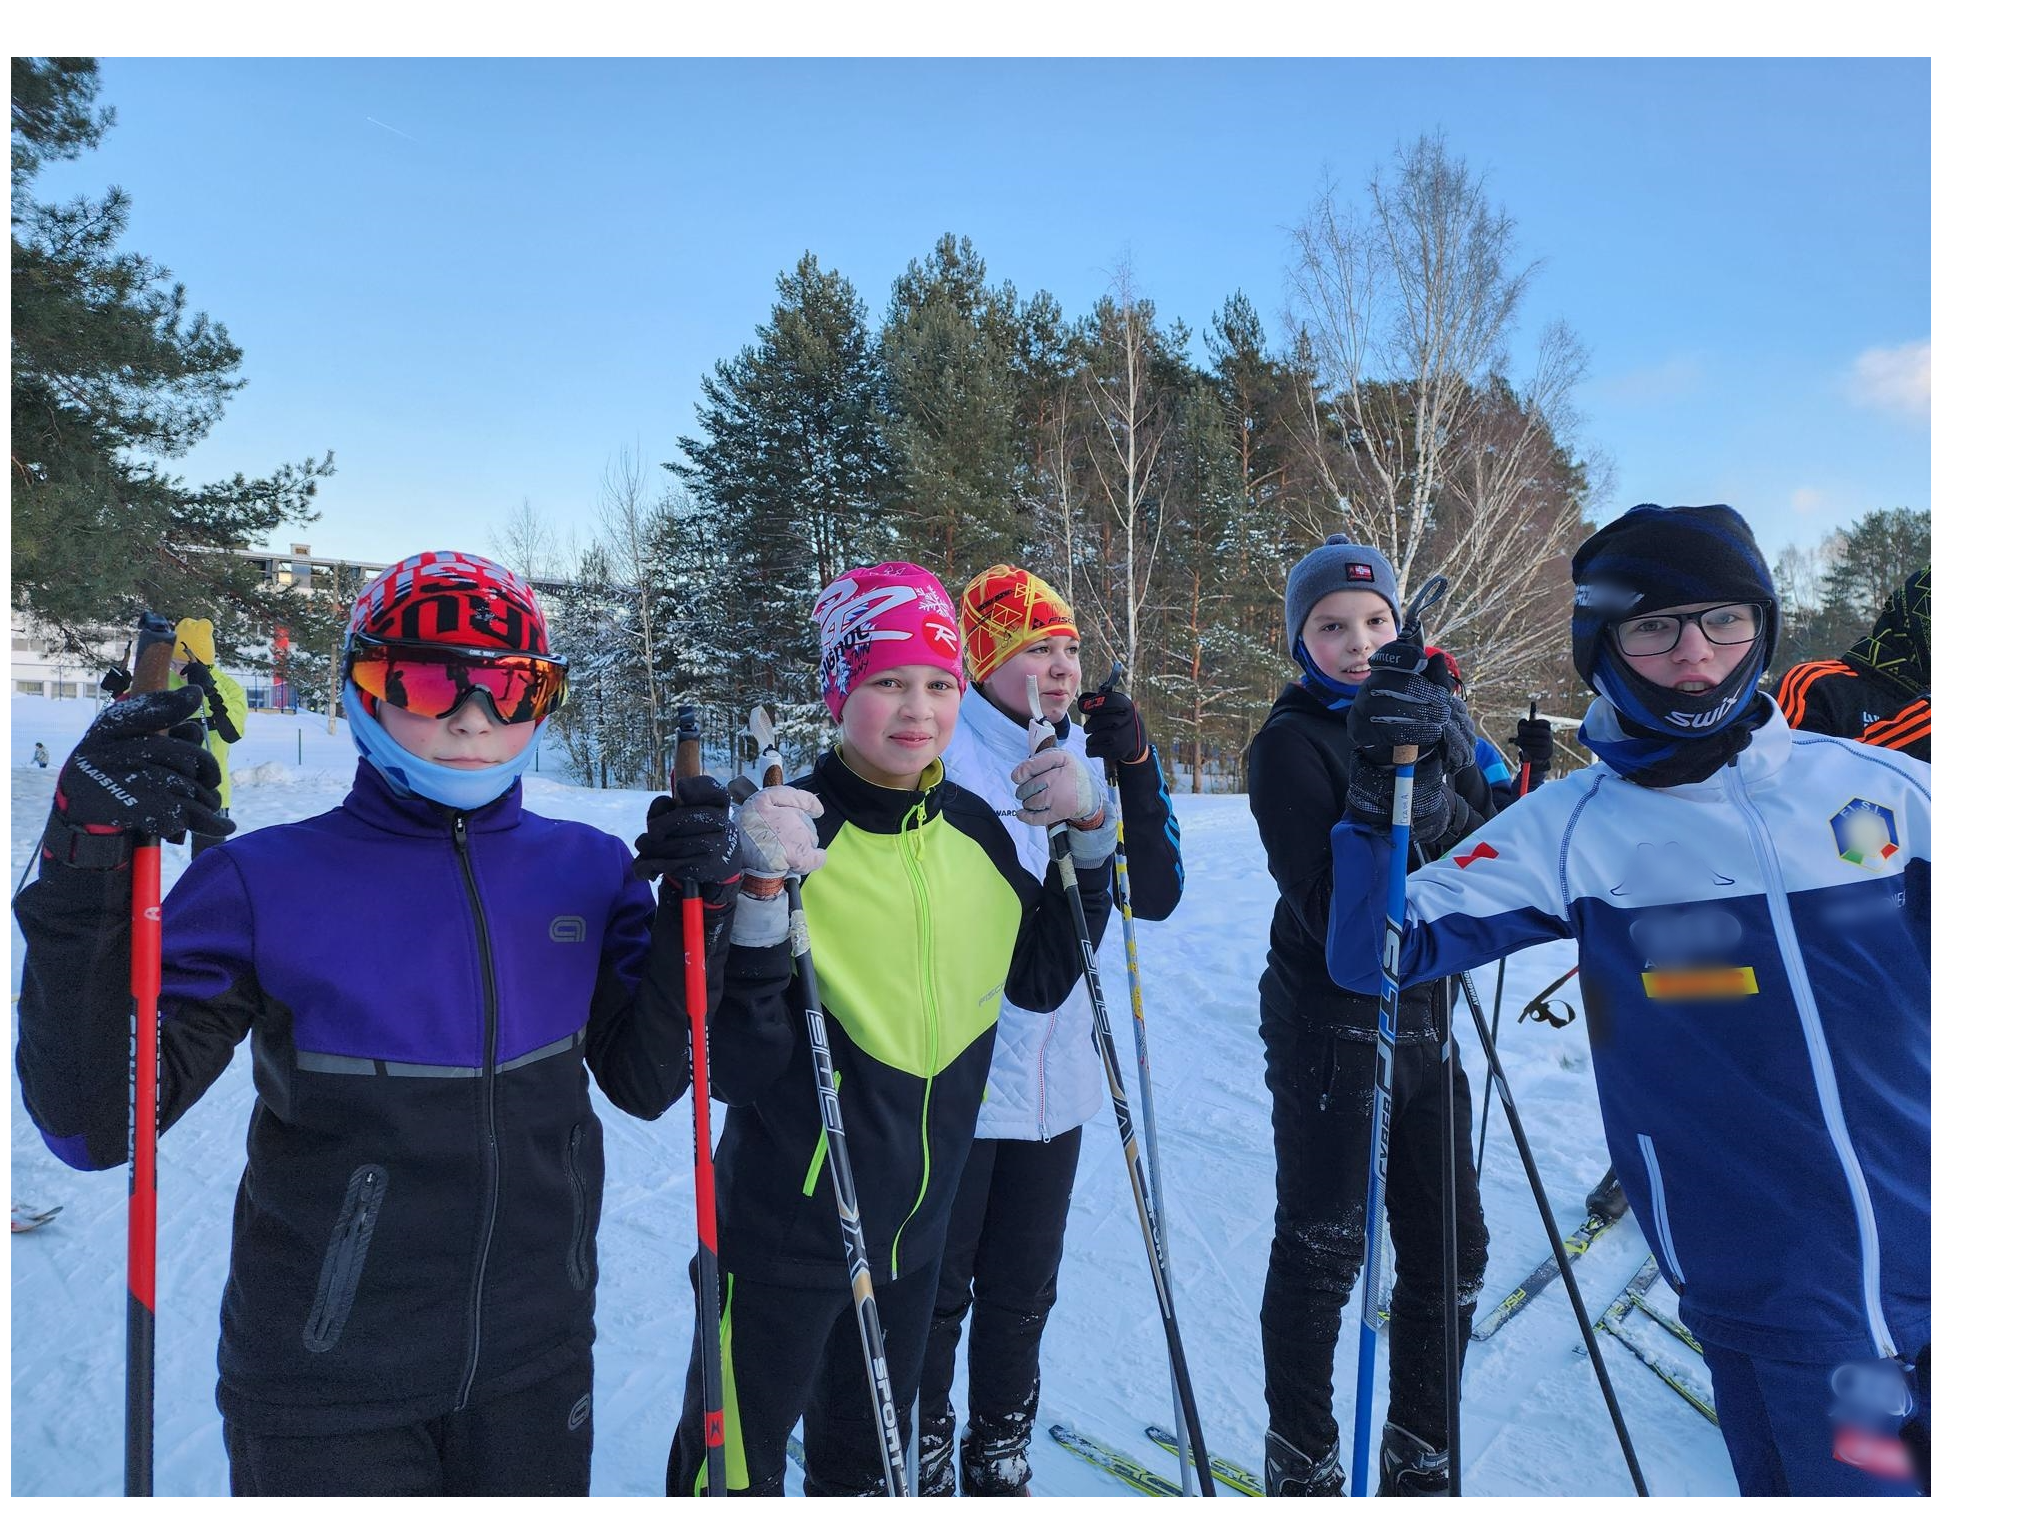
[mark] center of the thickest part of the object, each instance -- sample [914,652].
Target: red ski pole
[688,762]
[1526,768]
[145,983]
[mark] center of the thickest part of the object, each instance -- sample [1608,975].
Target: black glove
[1370,787]
[126,778]
[116,681]
[1403,704]
[690,838]
[1535,739]
[1114,730]
[200,675]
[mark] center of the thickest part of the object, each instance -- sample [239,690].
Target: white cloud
[1808,501]
[1893,378]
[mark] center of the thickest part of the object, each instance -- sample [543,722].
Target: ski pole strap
[1539,1009]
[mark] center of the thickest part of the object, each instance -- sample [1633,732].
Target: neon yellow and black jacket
[919,921]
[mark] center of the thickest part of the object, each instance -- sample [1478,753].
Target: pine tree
[793,466]
[951,398]
[113,379]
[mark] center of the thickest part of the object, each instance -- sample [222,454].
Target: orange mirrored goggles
[435,680]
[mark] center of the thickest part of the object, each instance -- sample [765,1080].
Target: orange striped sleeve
[1794,692]
[1912,723]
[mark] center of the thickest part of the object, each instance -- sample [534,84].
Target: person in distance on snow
[1320,1048]
[921,917]
[40,756]
[1751,906]
[1007,1229]
[226,712]
[428,975]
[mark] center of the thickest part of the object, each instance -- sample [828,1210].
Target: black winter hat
[1665,556]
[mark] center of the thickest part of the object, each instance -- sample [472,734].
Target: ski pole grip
[1404,755]
[1041,736]
[688,747]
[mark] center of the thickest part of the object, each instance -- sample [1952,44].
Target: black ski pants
[1320,1120]
[792,1354]
[533,1441]
[1007,1237]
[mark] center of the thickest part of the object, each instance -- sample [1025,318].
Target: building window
[67,689]
[29,688]
[20,643]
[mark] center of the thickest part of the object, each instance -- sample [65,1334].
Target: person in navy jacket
[1751,906]
[428,976]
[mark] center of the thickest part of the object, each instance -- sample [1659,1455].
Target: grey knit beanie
[1336,565]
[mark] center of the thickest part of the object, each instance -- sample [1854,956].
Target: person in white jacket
[1008,1222]
[1751,905]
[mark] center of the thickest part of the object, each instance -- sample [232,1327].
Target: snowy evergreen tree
[115,378]
[951,399]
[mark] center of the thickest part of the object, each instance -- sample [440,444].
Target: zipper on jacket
[912,857]
[490,1170]
[578,1269]
[346,1251]
[1660,1196]
[1820,1061]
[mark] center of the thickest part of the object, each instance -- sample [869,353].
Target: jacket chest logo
[1865,834]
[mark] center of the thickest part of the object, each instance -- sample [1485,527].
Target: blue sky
[477,280]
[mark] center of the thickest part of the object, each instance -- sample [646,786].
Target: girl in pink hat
[921,918]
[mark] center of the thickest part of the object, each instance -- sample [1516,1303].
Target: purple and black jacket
[423,989]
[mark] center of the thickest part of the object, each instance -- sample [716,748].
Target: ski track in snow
[1533,1420]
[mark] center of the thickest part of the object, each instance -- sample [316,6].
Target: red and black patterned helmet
[450,598]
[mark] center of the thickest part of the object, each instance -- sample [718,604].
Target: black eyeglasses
[1658,632]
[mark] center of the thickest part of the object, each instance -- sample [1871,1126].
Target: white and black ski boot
[1289,1472]
[995,1462]
[1607,1199]
[1407,1466]
[936,1466]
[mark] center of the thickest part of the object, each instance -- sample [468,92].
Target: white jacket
[1756,972]
[1045,1078]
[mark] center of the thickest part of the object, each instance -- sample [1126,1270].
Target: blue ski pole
[1376,1269]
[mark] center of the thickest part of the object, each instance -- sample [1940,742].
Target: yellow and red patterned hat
[1008,609]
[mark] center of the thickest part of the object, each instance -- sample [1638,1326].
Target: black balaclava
[1668,556]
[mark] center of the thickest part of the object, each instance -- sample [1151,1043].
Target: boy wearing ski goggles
[434,681]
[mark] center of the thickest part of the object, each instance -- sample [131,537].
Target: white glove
[776,841]
[1053,787]
[777,833]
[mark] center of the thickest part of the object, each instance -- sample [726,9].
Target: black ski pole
[872,1339]
[1124,899]
[1568,1276]
[1497,999]
[1124,1122]
[1451,1279]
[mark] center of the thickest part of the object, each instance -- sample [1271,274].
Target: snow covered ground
[1533,1421]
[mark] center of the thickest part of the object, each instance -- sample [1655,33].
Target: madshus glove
[128,777]
[1407,700]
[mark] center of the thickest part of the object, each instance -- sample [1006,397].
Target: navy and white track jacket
[1755,955]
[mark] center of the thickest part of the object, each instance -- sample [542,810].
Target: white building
[39,672]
